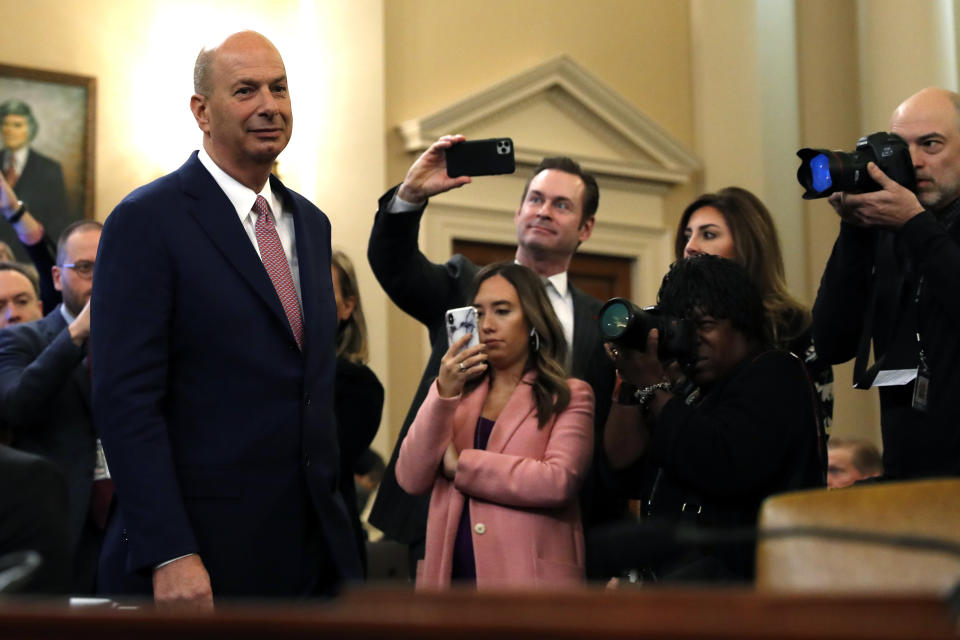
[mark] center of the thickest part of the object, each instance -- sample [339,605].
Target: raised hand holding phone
[466,357]
[489,157]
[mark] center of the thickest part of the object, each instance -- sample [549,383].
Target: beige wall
[359,68]
[440,51]
[142,55]
[829,79]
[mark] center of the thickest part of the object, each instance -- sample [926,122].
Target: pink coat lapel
[518,408]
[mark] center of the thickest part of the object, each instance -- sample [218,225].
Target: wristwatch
[21,209]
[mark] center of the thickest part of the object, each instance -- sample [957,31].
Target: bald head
[927,101]
[929,121]
[203,67]
[242,105]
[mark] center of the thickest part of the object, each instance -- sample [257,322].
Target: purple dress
[464,565]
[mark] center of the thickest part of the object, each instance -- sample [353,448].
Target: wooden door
[600,276]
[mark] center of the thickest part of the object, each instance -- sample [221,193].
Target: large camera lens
[820,172]
[614,319]
[823,172]
[628,326]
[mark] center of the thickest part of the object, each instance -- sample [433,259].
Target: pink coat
[524,511]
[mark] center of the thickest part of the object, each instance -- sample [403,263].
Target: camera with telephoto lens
[823,172]
[627,325]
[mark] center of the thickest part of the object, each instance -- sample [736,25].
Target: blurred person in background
[358,394]
[850,461]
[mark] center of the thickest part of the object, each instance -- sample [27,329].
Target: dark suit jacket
[45,389]
[41,186]
[33,516]
[358,403]
[425,291]
[218,430]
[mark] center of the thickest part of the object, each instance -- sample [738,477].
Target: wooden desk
[397,615]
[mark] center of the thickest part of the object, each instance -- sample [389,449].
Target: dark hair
[28,271]
[864,455]
[550,391]
[20,108]
[73,227]
[352,333]
[756,246]
[591,192]
[714,286]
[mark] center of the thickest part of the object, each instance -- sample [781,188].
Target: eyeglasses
[84,268]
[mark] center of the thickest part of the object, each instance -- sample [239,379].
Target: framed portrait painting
[47,133]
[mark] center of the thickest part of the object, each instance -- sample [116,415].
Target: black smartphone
[489,157]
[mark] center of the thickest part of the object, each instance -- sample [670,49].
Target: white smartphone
[460,322]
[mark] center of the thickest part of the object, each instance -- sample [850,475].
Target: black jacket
[888,266]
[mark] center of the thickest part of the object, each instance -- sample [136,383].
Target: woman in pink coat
[503,440]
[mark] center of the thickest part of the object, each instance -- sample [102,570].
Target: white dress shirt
[242,199]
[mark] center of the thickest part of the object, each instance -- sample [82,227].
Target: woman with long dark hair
[503,441]
[733,223]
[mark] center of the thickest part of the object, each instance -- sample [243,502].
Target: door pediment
[559,108]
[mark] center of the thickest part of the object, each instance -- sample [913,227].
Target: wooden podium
[389,614]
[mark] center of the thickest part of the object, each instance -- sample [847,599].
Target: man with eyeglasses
[45,393]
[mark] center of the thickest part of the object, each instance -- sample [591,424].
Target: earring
[534,339]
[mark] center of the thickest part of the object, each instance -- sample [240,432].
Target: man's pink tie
[275,261]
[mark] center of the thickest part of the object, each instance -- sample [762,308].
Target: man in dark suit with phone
[213,348]
[556,214]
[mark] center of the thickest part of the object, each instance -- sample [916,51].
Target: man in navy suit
[213,348]
[45,389]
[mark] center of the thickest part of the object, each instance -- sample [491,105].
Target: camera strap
[895,301]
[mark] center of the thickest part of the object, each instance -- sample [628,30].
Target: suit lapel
[52,324]
[519,407]
[212,210]
[583,320]
[468,412]
[311,266]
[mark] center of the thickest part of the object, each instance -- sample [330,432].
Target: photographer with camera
[708,459]
[892,279]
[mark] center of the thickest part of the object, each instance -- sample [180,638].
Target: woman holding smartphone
[503,441]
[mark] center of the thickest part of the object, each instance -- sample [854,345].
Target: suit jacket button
[306,399]
[480,528]
[306,461]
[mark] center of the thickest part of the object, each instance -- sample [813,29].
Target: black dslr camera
[627,325]
[823,172]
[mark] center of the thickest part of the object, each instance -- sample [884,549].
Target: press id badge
[100,469]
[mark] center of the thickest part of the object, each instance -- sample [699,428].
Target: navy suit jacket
[218,430]
[45,390]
